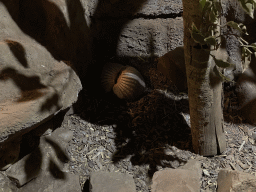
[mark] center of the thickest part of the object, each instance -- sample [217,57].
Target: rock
[176,180]
[111,182]
[117,8]
[50,156]
[172,65]
[25,169]
[193,164]
[47,182]
[34,85]
[9,154]
[62,136]
[140,37]
[235,181]
[6,185]
[246,93]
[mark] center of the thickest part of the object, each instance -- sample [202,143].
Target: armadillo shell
[130,84]
[109,75]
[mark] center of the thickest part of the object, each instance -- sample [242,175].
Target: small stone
[91,164]
[205,166]
[193,164]
[235,181]
[230,157]
[63,134]
[48,182]
[252,141]
[106,181]
[206,173]
[176,180]
[254,135]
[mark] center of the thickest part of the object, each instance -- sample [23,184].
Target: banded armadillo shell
[109,75]
[130,84]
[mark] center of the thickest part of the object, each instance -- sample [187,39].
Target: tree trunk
[204,89]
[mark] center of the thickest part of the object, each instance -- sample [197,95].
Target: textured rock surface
[114,182]
[6,185]
[235,181]
[34,86]
[246,93]
[67,182]
[176,180]
[132,8]
[46,166]
[151,37]
[25,169]
[194,165]
[49,158]
[9,154]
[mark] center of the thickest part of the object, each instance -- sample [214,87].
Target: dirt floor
[152,133]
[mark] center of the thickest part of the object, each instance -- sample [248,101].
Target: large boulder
[34,86]
[32,91]
[111,181]
[176,180]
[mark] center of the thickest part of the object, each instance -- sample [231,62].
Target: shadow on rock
[56,171]
[37,151]
[33,164]
[30,86]
[60,154]
[18,51]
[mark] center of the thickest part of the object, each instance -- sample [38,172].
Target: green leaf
[213,16]
[211,40]
[222,64]
[240,27]
[246,57]
[248,7]
[220,75]
[207,6]
[198,38]
[202,3]
[253,46]
[194,28]
[245,51]
[243,28]
[217,6]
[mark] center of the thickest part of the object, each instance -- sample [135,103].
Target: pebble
[91,164]
[254,135]
[206,173]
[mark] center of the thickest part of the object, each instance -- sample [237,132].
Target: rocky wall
[135,28]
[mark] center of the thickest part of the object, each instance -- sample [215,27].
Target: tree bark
[204,89]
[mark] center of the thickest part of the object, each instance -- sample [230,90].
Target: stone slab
[176,180]
[235,181]
[48,160]
[117,8]
[111,182]
[34,85]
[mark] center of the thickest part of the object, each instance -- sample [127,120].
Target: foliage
[208,33]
